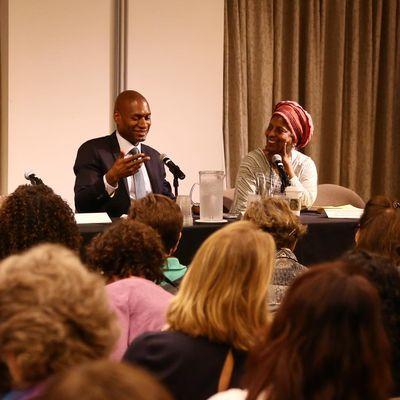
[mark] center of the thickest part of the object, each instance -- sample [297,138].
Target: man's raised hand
[125,166]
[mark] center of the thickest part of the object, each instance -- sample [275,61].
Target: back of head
[53,313]
[224,294]
[105,380]
[34,214]
[379,230]
[162,214]
[274,216]
[326,341]
[385,277]
[127,248]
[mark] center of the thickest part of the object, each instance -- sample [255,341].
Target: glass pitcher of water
[211,195]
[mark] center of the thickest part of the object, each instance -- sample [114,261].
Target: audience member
[290,128]
[35,214]
[214,318]
[386,278]
[379,228]
[131,256]
[165,216]
[326,342]
[274,216]
[54,315]
[104,380]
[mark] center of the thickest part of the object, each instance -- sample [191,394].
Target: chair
[335,195]
[228,198]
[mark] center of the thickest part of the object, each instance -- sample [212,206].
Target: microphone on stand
[32,178]
[175,170]
[277,160]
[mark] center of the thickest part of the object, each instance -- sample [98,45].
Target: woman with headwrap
[289,129]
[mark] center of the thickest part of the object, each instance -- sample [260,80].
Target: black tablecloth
[325,240]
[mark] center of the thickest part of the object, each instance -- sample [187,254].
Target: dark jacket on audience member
[189,367]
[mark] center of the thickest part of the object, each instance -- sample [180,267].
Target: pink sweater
[140,306]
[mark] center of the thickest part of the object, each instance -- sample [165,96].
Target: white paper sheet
[346,211]
[92,218]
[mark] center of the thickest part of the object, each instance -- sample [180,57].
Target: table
[325,240]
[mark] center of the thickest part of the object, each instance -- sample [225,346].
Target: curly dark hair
[127,248]
[381,273]
[34,214]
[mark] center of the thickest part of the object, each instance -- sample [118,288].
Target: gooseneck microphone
[32,178]
[277,160]
[175,170]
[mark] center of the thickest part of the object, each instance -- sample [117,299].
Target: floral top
[287,268]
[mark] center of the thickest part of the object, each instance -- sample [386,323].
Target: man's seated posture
[114,169]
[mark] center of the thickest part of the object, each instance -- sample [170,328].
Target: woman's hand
[287,160]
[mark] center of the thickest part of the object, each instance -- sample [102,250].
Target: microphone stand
[178,174]
[176,184]
[284,179]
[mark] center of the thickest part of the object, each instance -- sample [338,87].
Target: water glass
[262,185]
[185,204]
[211,195]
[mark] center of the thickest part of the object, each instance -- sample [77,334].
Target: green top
[173,270]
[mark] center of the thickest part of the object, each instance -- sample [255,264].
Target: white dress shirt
[126,146]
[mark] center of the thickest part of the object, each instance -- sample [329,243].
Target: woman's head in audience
[379,228]
[385,277]
[128,248]
[327,341]
[105,380]
[274,216]
[224,294]
[162,214]
[54,314]
[34,214]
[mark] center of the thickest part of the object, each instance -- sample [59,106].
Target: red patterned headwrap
[299,121]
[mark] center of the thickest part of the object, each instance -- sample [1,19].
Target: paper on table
[92,218]
[346,211]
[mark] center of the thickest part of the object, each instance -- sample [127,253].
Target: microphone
[175,170]
[32,178]
[277,160]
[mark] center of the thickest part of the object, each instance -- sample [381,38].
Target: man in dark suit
[114,169]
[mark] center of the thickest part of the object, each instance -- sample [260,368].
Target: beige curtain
[339,59]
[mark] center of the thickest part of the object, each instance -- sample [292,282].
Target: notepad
[92,218]
[346,211]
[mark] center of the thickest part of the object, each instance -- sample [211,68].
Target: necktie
[138,177]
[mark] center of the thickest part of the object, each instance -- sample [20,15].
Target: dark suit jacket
[95,157]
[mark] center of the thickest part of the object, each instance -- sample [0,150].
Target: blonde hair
[53,313]
[274,216]
[224,295]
